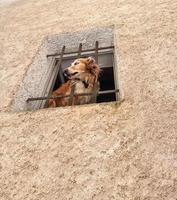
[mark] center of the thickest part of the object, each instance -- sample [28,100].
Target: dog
[82,78]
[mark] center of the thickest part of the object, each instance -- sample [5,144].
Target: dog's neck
[75,80]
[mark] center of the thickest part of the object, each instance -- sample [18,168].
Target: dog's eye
[76,63]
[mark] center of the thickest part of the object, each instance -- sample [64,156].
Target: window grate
[83,51]
[58,60]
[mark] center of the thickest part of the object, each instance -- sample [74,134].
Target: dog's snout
[66,72]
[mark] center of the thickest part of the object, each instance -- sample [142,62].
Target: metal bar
[95,86]
[64,96]
[57,71]
[96,51]
[84,55]
[108,91]
[95,93]
[61,77]
[101,48]
[80,50]
[74,86]
[72,95]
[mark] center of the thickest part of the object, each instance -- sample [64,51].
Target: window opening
[104,57]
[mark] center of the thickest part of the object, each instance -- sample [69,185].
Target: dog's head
[83,69]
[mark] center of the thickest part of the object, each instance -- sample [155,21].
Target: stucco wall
[107,151]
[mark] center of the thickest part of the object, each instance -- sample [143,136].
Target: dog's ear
[90,60]
[93,67]
[94,70]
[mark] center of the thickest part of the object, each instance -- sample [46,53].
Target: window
[43,75]
[104,57]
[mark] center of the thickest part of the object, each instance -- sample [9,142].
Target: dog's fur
[83,75]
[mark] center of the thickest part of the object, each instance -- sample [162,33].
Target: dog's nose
[66,72]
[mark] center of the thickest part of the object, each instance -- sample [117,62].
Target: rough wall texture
[108,151]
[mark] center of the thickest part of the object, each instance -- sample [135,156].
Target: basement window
[104,57]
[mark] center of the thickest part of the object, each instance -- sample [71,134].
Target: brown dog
[83,76]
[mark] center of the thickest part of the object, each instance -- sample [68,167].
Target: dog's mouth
[69,75]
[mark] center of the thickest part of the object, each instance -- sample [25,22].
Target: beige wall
[108,151]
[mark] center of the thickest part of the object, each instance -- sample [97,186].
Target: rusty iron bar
[72,95]
[88,50]
[96,51]
[74,86]
[65,96]
[80,50]
[95,87]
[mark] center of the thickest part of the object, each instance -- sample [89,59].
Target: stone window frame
[40,70]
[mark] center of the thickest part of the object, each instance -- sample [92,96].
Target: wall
[107,151]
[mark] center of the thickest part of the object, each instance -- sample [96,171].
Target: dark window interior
[60,79]
[106,83]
